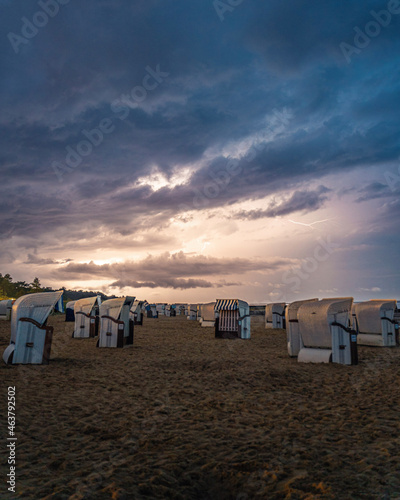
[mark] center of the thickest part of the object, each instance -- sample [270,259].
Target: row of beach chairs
[330,329]
[326,330]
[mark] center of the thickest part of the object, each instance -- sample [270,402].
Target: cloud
[34,259]
[375,190]
[373,289]
[179,270]
[300,201]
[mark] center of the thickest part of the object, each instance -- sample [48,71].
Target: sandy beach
[181,415]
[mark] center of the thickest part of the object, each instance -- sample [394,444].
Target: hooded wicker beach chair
[137,312]
[275,315]
[375,322]
[232,319]
[192,311]
[5,309]
[86,312]
[325,335]
[208,315]
[116,327]
[292,326]
[30,336]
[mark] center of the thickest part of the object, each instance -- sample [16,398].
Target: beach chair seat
[232,319]
[116,326]
[375,322]
[292,326]
[324,332]
[31,338]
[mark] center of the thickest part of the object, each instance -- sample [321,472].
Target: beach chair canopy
[227,304]
[70,304]
[113,307]
[86,305]
[316,317]
[36,306]
[293,307]
[370,314]
[137,306]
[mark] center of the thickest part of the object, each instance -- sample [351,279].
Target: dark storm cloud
[300,201]
[225,84]
[180,284]
[377,190]
[177,270]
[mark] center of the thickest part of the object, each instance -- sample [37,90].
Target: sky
[186,151]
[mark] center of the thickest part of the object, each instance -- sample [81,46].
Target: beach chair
[199,312]
[375,322]
[324,332]
[86,312]
[275,315]
[116,327]
[232,319]
[192,311]
[152,311]
[5,309]
[30,336]
[69,311]
[292,326]
[160,308]
[137,312]
[208,315]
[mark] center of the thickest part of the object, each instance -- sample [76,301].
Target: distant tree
[36,286]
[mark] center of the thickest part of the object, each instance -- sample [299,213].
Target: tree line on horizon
[10,289]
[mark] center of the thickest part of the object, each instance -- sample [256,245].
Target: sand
[181,415]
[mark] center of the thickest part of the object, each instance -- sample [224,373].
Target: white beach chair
[86,312]
[192,311]
[5,309]
[208,315]
[375,322]
[324,332]
[232,319]
[151,310]
[30,336]
[137,312]
[292,326]
[116,327]
[275,315]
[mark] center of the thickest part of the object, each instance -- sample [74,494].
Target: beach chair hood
[36,306]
